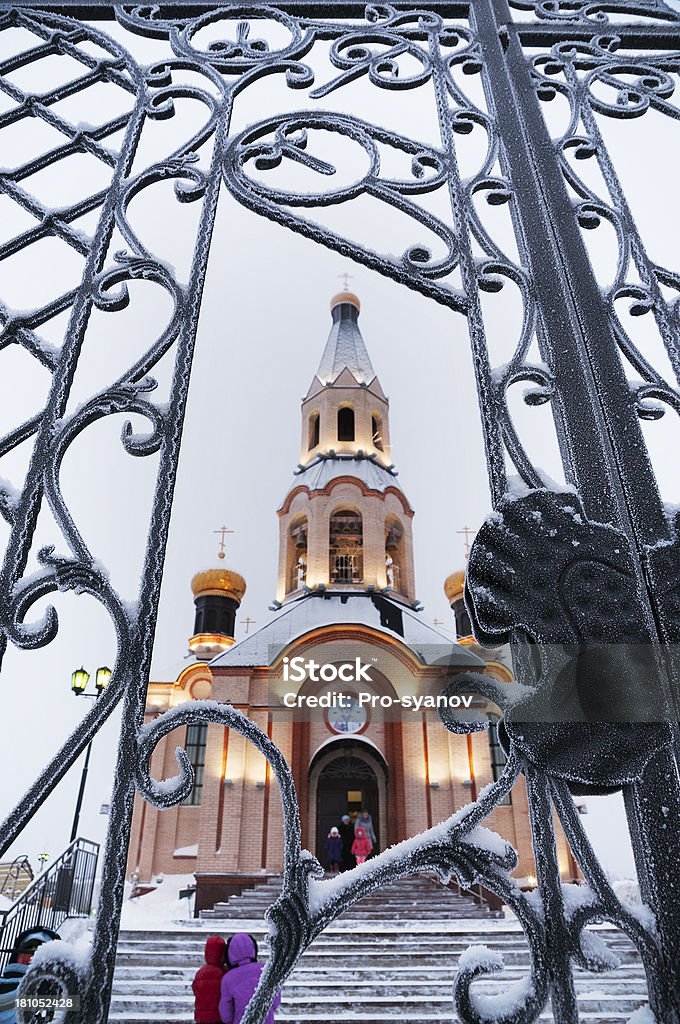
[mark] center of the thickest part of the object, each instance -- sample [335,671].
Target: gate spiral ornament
[606,538]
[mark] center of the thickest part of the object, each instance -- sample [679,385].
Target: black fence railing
[15,876]
[64,890]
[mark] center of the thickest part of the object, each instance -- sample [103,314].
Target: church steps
[368,918]
[172,957]
[381,962]
[596,1017]
[415,981]
[408,1005]
[129,976]
[398,900]
[404,992]
[393,963]
[355,948]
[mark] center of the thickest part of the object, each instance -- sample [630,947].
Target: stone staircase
[393,956]
[420,897]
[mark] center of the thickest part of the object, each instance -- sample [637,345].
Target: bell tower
[345,524]
[345,410]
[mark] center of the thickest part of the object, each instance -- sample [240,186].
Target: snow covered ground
[162,908]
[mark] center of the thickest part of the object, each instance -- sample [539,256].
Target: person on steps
[346,830]
[334,850]
[241,979]
[207,982]
[365,821]
[362,845]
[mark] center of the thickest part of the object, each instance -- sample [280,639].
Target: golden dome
[454,584]
[218,582]
[345,297]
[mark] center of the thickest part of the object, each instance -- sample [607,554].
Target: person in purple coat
[241,979]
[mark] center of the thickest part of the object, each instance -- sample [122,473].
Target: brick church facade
[346,591]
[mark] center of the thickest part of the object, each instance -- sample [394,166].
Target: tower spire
[345,348]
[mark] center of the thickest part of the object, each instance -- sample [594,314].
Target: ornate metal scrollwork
[595,12]
[291,138]
[598,82]
[532,538]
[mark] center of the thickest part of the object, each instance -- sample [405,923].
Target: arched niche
[346,547]
[343,767]
[395,561]
[296,554]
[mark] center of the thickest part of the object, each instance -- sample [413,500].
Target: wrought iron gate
[606,539]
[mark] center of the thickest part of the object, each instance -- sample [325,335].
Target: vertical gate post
[596,421]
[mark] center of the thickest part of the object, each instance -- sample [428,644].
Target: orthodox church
[338,678]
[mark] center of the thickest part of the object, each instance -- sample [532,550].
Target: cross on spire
[467,533]
[223,531]
[345,281]
[248,621]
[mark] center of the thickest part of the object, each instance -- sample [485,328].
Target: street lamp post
[79,680]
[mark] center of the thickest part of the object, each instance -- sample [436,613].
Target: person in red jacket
[208,981]
[362,845]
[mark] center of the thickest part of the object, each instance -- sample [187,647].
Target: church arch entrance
[345,776]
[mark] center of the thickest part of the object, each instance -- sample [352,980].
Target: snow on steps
[420,896]
[366,968]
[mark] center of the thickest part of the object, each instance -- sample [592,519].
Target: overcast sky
[264,322]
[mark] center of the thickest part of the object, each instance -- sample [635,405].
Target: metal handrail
[20,863]
[64,890]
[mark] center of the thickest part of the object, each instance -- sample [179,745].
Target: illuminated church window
[346,547]
[376,430]
[195,747]
[345,423]
[497,754]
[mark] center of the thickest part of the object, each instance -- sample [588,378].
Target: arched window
[195,744]
[346,547]
[296,559]
[394,553]
[211,620]
[376,430]
[346,423]
[313,438]
[497,756]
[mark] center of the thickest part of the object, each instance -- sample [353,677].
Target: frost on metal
[604,531]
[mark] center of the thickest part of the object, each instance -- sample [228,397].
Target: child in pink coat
[362,846]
